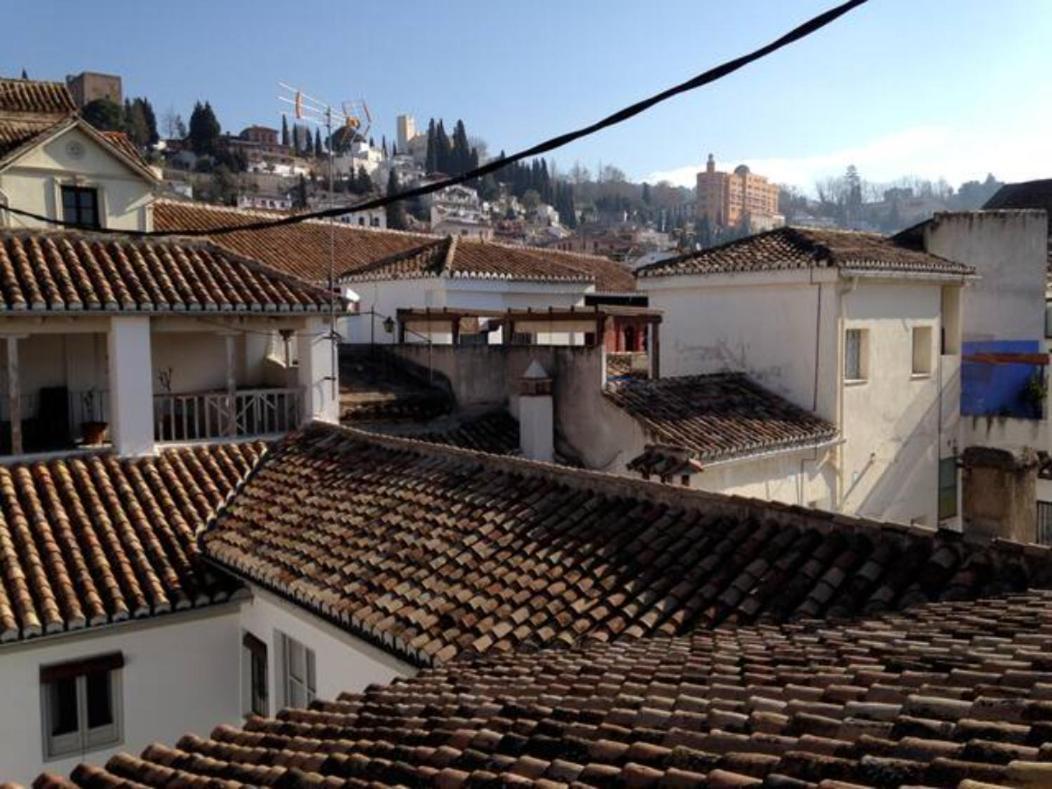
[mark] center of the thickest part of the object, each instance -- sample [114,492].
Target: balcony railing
[197,416]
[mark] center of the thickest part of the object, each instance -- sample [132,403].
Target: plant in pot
[92,430]
[1034,394]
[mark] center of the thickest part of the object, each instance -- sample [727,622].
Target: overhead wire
[711,75]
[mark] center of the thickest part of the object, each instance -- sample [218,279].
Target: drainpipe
[840,353]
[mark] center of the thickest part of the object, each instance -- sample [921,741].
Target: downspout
[852,284]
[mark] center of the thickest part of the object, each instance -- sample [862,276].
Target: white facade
[382,299]
[343,663]
[76,157]
[180,674]
[788,330]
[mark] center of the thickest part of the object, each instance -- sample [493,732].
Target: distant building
[406,130]
[88,86]
[260,134]
[729,199]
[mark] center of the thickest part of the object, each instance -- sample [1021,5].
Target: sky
[926,88]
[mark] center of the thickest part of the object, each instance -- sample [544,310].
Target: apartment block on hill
[735,199]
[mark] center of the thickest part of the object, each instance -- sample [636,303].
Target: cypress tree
[396,210]
[284,131]
[431,159]
[317,144]
[443,148]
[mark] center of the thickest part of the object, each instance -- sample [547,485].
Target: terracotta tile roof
[434,552]
[302,250]
[91,540]
[717,417]
[790,248]
[25,96]
[73,270]
[369,254]
[123,143]
[946,694]
[495,432]
[17,133]
[28,109]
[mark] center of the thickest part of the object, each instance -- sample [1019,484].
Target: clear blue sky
[927,87]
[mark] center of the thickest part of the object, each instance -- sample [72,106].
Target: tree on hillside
[646,193]
[318,152]
[104,115]
[431,156]
[153,137]
[284,131]
[24,74]
[395,211]
[135,123]
[174,127]
[204,129]
[299,198]
[443,148]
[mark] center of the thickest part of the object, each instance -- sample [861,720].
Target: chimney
[999,493]
[536,423]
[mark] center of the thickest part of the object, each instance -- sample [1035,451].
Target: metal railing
[196,416]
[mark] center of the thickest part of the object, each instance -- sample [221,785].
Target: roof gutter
[768,453]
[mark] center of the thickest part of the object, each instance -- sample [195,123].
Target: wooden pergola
[602,325]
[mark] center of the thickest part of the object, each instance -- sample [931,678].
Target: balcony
[206,416]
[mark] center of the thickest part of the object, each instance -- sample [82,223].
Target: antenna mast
[355,119]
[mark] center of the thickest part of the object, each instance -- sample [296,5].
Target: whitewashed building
[860,331]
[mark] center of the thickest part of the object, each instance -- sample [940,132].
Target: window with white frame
[856,350]
[297,669]
[922,352]
[81,705]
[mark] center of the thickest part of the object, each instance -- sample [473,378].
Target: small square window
[856,351]
[81,705]
[80,205]
[922,356]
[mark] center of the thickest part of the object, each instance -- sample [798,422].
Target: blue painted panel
[998,389]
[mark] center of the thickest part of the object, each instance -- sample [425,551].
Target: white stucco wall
[180,674]
[387,297]
[775,327]
[34,183]
[1009,251]
[804,477]
[770,326]
[343,662]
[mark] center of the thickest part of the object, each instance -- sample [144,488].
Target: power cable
[705,78]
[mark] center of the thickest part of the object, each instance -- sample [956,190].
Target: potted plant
[92,431]
[1034,394]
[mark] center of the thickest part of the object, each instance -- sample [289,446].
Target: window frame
[76,190]
[928,368]
[943,487]
[863,355]
[257,676]
[84,739]
[292,685]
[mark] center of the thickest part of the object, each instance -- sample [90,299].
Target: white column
[315,366]
[131,385]
[231,387]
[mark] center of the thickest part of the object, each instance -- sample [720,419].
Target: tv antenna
[354,117]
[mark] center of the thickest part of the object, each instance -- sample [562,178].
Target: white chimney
[536,424]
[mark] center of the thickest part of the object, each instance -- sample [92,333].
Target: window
[80,205]
[255,663]
[1048,319]
[81,705]
[947,488]
[921,350]
[297,672]
[855,352]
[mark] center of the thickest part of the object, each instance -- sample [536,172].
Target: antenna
[353,116]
